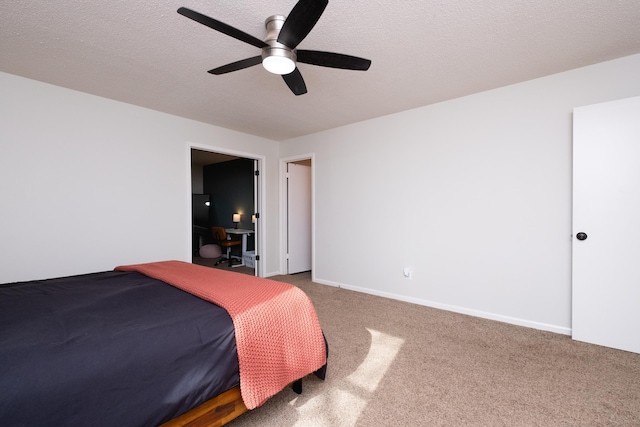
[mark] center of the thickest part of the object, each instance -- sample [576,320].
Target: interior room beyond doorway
[223,195]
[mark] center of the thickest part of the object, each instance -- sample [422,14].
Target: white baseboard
[276,273]
[456,309]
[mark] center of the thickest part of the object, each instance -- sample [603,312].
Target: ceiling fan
[279,53]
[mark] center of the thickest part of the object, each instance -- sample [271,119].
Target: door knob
[581,236]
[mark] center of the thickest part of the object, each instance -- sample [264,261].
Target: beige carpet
[393,363]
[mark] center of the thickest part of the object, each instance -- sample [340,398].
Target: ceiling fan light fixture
[276,57]
[278,60]
[278,64]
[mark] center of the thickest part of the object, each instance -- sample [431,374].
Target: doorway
[297,225]
[235,203]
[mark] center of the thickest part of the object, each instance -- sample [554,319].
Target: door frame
[260,238]
[283,210]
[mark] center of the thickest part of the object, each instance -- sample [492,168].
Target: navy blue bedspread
[109,349]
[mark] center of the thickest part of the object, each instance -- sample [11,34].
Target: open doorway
[228,187]
[298,219]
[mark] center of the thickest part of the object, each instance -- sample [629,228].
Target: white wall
[87,183]
[484,183]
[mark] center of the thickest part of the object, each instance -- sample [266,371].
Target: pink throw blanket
[278,334]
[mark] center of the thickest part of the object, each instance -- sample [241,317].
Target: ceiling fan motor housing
[276,51]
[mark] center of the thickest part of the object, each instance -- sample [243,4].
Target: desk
[244,233]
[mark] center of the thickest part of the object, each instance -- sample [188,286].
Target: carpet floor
[393,363]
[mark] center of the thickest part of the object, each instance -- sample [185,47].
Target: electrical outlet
[407,272]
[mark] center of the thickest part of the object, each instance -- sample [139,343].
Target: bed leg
[297,386]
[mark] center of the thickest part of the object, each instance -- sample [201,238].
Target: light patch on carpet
[340,407]
[383,350]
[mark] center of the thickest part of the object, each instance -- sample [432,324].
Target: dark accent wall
[230,185]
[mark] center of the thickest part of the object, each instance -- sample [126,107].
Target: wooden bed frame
[215,412]
[220,410]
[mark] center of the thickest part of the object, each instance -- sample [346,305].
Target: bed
[165,343]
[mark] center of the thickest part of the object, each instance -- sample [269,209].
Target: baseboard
[277,273]
[456,309]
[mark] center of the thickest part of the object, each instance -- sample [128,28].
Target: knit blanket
[278,335]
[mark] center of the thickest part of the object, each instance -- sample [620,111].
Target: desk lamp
[236,218]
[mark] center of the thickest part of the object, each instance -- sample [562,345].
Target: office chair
[220,237]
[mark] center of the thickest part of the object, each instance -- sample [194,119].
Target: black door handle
[581,236]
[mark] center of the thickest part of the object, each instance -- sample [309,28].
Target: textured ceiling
[423,51]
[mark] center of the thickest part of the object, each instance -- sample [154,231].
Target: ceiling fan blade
[238,65]
[333,60]
[301,20]
[295,82]
[222,27]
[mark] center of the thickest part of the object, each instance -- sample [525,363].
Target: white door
[606,208]
[298,218]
